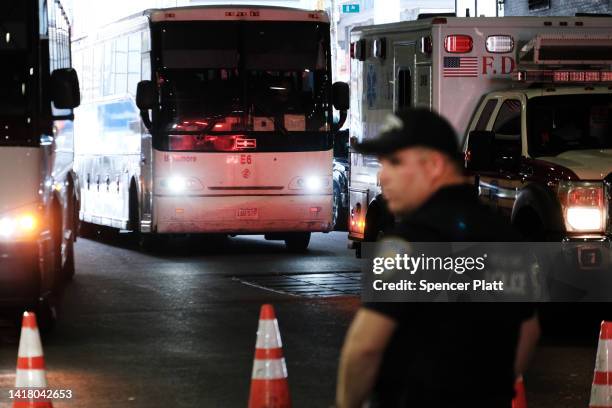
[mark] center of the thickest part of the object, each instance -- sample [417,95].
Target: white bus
[39,191]
[209,119]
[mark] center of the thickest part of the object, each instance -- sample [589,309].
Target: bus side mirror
[341,101]
[65,88]
[146,98]
[479,154]
[146,95]
[341,96]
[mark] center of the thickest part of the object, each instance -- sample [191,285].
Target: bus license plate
[247,213]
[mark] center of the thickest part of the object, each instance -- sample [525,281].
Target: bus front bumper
[19,273]
[243,214]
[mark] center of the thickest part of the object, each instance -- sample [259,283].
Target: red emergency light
[458,43]
[564,76]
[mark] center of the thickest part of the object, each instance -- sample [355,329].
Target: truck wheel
[297,241]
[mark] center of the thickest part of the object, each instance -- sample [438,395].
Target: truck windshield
[557,124]
[269,80]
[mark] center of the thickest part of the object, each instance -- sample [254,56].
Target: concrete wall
[557,7]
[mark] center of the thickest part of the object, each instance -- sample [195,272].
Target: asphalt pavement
[177,328]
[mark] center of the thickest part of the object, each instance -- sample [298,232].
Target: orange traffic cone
[269,385]
[601,391]
[30,363]
[519,401]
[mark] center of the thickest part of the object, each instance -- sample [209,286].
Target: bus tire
[57,238]
[297,241]
[150,243]
[46,315]
[339,213]
[68,269]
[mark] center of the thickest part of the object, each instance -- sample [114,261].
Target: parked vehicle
[533,94]
[39,200]
[214,119]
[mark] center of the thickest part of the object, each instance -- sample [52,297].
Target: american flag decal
[460,66]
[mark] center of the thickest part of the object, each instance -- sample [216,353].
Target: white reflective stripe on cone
[269,369]
[29,343]
[268,335]
[31,378]
[603,361]
[601,396]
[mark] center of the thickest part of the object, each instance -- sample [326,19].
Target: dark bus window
[404,89]
[487,111]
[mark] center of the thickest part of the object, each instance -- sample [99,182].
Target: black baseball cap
[413,128]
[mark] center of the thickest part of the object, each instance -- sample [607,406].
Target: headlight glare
[584,219]
[583,204]
[17,227]
[177,184]
[314,183]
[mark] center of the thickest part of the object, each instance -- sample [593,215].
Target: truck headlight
[583,206]
[20,226]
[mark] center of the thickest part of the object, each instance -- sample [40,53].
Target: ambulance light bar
[458,44]
[564,76]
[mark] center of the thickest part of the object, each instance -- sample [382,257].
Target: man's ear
[436,163]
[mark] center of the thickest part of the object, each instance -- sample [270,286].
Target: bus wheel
[339,213]
[297,241]
[46,315]
[68,267]
[151,242]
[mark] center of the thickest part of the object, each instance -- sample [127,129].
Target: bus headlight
[312,184]
[583,206]
[179,185]
[21,226]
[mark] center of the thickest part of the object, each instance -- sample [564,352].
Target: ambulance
[530,99]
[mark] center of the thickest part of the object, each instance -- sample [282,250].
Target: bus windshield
[263,79]
[561,123]
[15,76]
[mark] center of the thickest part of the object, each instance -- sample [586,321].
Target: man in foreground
[435,354]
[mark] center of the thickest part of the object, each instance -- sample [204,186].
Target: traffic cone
[601,390]
[519,401]
[30,363]
[269,385]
